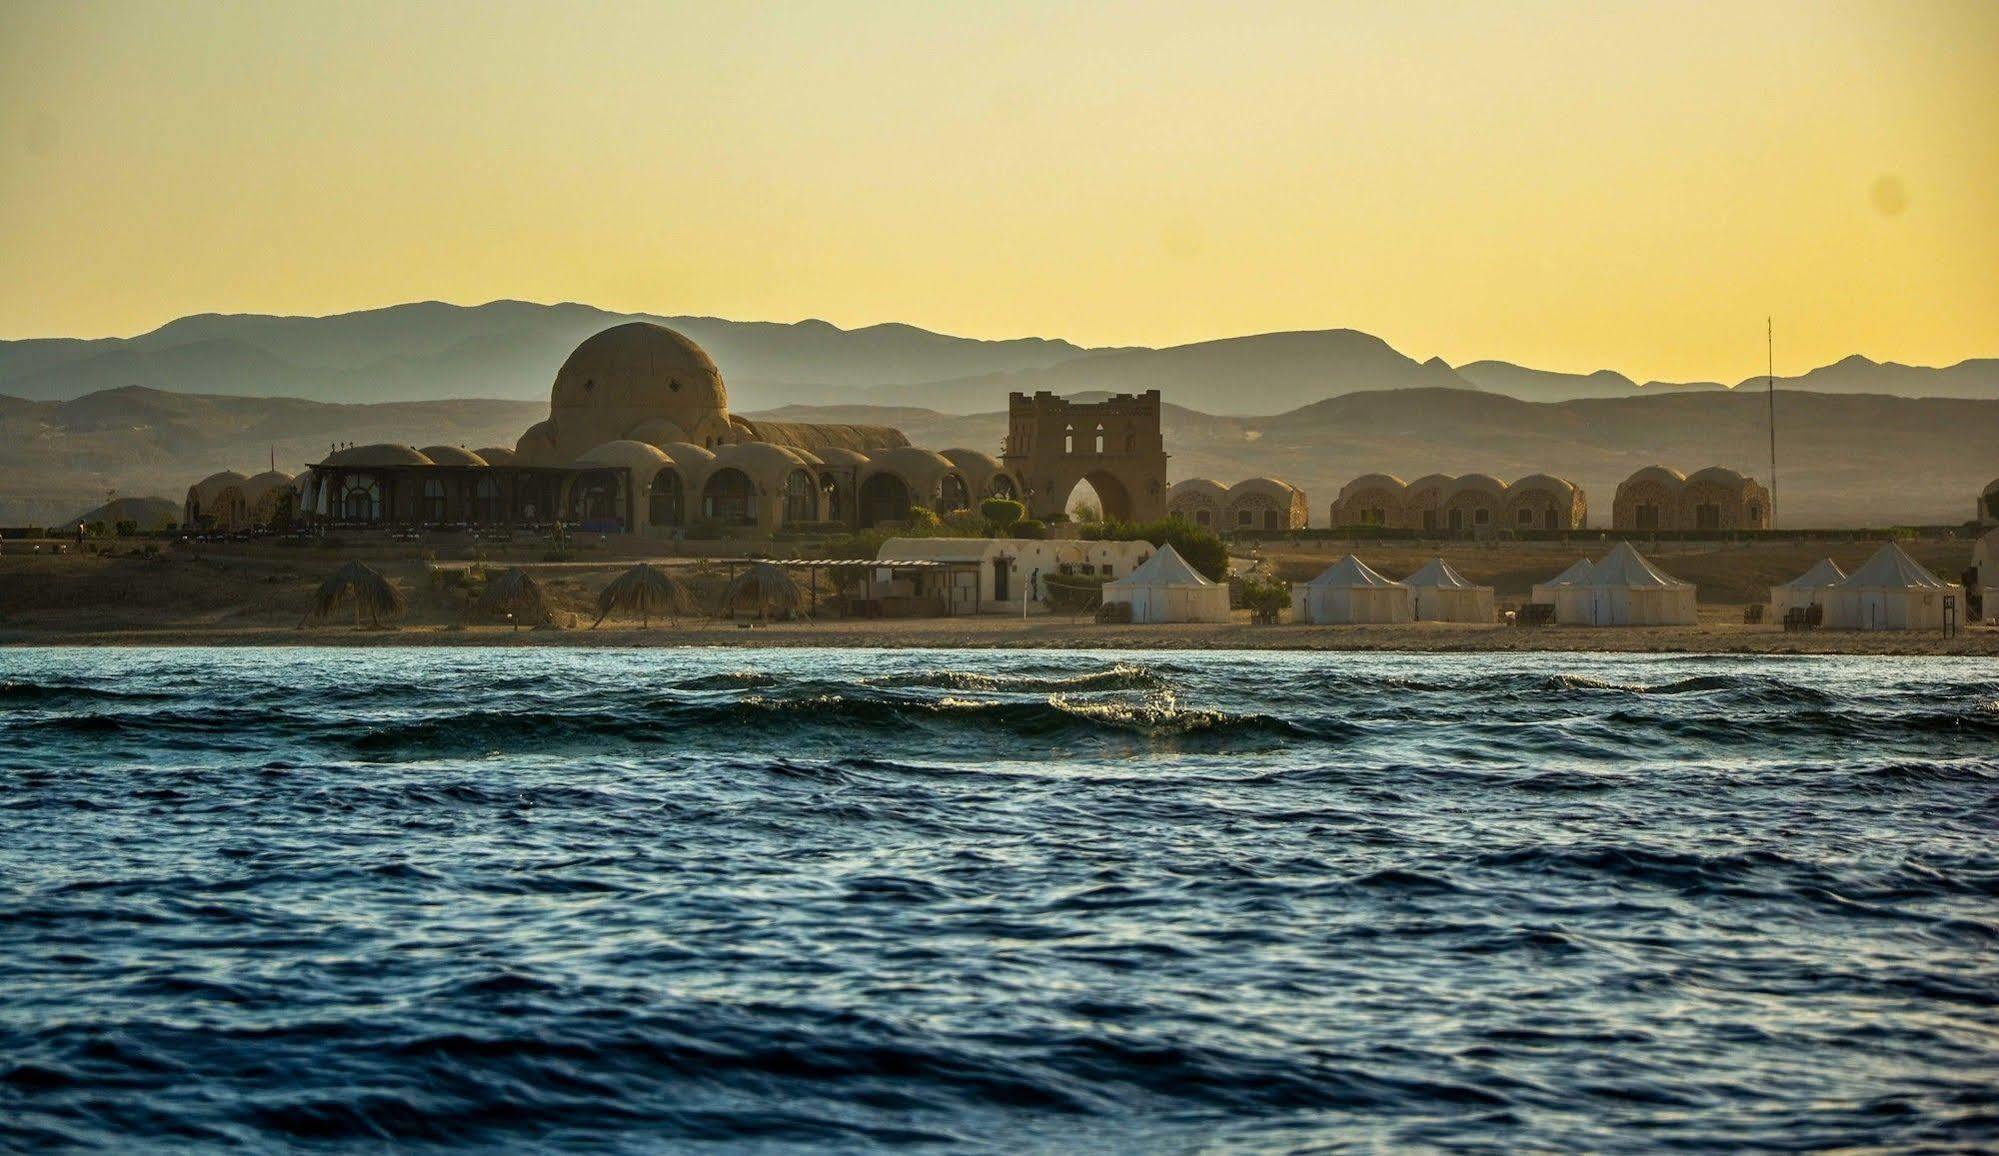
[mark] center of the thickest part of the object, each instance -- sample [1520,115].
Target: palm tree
[644,591]
[374,595]
[765,586]
[516,595]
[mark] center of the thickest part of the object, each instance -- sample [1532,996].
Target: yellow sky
[1572,186]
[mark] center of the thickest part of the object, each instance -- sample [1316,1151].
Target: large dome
[636,372]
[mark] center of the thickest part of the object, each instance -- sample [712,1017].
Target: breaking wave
[836,900]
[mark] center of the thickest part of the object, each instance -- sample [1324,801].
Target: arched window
[884,498]
[730,498]
[1245,517]
[829,490]
[1203,516]
[433,500]
[1270,520]
[1069,439]
[1100,437]
[668,500]
[486,506]
[801,497]
[1002,487]
[361,499]
[954,495]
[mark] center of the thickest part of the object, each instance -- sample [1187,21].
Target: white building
[1011,567]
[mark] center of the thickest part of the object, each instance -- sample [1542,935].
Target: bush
[923,522]
[1033,528]
[1002,512]
[859,544]
[1264,596]
[1200,547]
[965,524]
[126,528]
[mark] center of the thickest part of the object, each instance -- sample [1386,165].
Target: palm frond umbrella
[373,595]
[765,586]
[517,595]
[645,591]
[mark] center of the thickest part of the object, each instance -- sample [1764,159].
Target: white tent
[1623,589]
[1806,588]
[1985,556]
[1443,595]
[1544,592]
[1349,591]
[1891,592]
[1167,589]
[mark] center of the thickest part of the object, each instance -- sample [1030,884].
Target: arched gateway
[1052,444]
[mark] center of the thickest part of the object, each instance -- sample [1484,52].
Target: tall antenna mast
[1770,390]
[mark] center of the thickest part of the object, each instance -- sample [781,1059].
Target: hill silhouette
[510,350]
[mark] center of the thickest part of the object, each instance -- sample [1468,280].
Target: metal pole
[1770,390]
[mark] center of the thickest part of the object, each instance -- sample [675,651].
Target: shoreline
[1043,634]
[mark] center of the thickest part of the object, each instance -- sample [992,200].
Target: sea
[652,900]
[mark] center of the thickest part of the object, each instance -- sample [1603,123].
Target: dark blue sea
[650,900]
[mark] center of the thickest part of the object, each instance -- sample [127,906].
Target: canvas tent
[1985,558]
[1544,592]
[1623,589]
[1806,588]
[1351,592]
[1443,595]
[1891,591]
[1167,589]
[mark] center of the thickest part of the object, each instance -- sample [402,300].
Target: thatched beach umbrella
[644,591]
[374,595]
[766,587]
[516,595]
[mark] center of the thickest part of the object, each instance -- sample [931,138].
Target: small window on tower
[589,383]
[673,383]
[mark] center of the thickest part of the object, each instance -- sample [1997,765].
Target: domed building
[1470,503]
[638,439]
[1251,504]
[1716,498]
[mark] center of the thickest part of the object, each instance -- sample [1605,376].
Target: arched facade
[1198,501]
[1716,498]
[1467,504]
[1053,445]
[638,430]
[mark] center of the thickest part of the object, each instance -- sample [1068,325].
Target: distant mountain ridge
[433,350]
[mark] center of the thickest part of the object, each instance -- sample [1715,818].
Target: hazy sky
[1572,186]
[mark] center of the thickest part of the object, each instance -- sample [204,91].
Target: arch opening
[884,498]
[730,498]
[1099,490]
[801,497]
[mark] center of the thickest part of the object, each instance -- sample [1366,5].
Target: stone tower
[1053,443]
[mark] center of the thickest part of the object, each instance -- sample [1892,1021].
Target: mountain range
[510,350]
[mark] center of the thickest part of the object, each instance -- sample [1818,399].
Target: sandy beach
[258,599]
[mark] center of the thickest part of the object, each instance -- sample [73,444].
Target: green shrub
[126,528]
[923,523]
[1002,512]
[1028,528]
[1200,547]
[1264,596]
[965,524]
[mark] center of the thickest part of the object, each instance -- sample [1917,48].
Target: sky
[1631,185]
